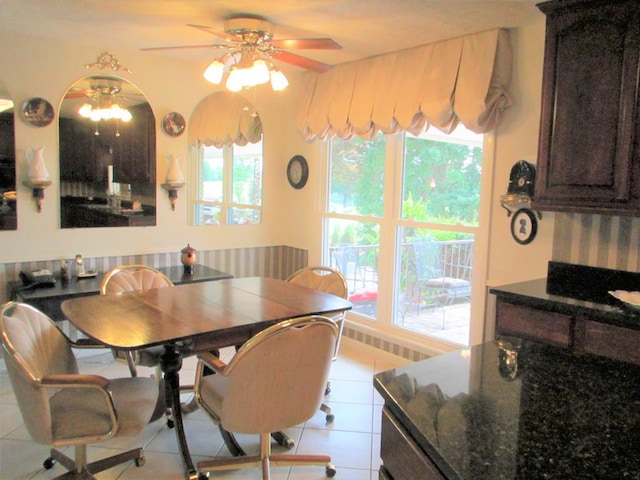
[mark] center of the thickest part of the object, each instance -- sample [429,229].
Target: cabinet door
[527,322]
[588,107]
[402,457]
[134,153]
[78,150]
[608,341]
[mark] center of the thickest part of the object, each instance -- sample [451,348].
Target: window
[229,185]
[400,222]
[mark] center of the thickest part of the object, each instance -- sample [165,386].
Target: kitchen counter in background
[572,308]
[521,410]
[82,213]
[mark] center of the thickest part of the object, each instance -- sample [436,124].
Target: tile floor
[353,440]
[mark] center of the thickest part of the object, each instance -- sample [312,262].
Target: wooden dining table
[212,315]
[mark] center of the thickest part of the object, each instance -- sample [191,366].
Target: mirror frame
[9,202]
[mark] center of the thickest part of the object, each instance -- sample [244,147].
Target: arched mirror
[8,209]
[107,155]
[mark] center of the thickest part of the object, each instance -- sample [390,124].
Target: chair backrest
[127,278]
[277,379]
[33,348]
[324,279]
[428,259]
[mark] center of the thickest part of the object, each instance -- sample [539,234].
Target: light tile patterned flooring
[353,440]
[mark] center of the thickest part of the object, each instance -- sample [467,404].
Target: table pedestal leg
[171,362]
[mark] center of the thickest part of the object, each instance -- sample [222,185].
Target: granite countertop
[547,414]
[538,294]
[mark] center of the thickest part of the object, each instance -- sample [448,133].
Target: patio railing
[359,263]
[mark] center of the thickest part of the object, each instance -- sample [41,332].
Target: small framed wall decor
[173,124]
[37,112]
[524,226]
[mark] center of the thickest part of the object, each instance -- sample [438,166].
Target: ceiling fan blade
[184,47]
[209,30]
[302,62]
[76,94]
[307,44]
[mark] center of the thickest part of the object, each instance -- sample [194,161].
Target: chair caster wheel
[288,443]
[49,463]
[330,471]
[203,476]
[140,461]
[170,423]
[327,391]
[330,418]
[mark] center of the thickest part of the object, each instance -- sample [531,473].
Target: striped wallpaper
[597,241]
[274,261]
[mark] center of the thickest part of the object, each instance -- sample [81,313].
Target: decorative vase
[174,175]
[188,258]
[37,169]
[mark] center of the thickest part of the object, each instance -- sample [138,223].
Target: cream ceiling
[363,27]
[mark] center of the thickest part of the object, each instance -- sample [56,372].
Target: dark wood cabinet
[579,333]
[402,457]
[588,154]
[607,340]
[79,147]
[129,146]
[526,322]
[134,150]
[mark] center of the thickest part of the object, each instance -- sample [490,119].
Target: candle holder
[172,188]
[37,188]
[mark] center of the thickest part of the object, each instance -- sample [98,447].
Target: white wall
[39,67]
[517,139]
[35,67]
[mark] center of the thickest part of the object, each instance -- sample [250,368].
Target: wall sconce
[174,181]
[38,175]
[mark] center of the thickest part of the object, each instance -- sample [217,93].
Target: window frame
[383,327]
[226,205]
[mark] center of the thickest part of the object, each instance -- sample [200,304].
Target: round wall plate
[37,112]
[173,124]
[524,226]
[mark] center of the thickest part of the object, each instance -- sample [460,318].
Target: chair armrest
[75,380]
[212,362]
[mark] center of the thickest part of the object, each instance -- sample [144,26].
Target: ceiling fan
[255,33]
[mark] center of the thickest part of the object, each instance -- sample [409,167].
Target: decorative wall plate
[173,124]
[37,112]
[524,226]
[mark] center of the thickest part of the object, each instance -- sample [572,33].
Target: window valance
[441,84]
[224,118]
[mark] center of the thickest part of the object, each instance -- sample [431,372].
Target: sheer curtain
[463,80]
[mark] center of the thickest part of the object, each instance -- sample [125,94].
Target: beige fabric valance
[224,118]
[441,84]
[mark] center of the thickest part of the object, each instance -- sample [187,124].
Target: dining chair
[328,280]
[128,278]
[274,381]
[62,407]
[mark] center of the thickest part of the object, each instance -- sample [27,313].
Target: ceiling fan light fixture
[214,72]
[278,80]
[110,112]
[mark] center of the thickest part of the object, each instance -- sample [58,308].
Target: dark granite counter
[536,294]
[542,412]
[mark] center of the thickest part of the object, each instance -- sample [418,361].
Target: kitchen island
[511,409]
